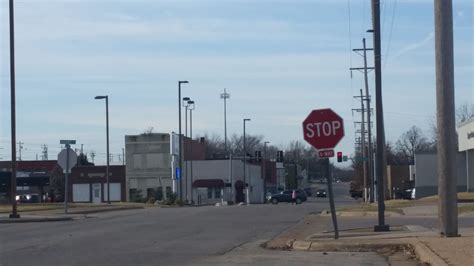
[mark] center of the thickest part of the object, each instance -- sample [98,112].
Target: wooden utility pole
[362,145]
[14,213]
[447,204]
[369,157]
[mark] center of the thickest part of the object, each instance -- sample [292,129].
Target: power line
[390,34]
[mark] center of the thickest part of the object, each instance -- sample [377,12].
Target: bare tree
[411,142]
[148,131]
[464,112]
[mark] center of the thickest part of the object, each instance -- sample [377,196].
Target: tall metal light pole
[447,203]
[180,140]
[14,213]
[381,165]
[106,97]
[225,96]
[265,171]
[186,105]
[245,162]
[191,107]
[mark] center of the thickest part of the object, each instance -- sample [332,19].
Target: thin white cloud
[414,46]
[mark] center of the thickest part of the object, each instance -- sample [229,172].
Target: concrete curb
[422,251]
[34,220]
[104,210]
[425,254]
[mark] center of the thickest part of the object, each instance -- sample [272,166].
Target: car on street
[285,196]
[321,193]
[27,198]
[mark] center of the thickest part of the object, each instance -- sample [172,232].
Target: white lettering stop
[326,128]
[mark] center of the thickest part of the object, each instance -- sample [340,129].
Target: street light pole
[225,96]
[264,171]
[245,162]
[180,140]
[106,97]
[14,213]
[186,105]
[191,108]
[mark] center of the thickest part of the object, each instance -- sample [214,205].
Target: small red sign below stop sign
[323,129]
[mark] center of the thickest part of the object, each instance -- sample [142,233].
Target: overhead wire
[390,34]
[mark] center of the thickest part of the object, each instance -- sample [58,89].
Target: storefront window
[217,193]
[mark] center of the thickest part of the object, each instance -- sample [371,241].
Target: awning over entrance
[209,183]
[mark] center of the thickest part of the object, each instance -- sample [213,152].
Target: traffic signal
[279,156]
[339,157]
[258,156]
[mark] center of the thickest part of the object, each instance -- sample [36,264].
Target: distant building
[33,177]
[151,164]
[216,181]
[426,168]
[89,184]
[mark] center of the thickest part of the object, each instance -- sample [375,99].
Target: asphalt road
[228,235]
[154,236]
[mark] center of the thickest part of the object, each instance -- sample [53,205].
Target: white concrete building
[216,181]
[148,166]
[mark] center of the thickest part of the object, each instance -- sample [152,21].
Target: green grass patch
[466,208]
[30,207]
[462,196]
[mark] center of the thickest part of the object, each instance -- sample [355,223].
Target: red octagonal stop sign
[323,129]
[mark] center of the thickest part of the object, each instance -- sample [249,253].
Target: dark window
[168,192]
[209,193]
[150,192]
[135,195]
[217,193]
[159,193]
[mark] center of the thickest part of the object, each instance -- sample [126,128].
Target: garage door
[81,192]
[115,192]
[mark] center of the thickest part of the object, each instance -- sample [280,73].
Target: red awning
[208,183]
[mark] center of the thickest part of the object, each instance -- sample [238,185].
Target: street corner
[35,219]
[357,213]
[301,245]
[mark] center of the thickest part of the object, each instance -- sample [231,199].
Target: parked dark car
[403,193]
[308,191]
[285,196]
[321,193]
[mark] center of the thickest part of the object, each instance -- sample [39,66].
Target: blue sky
[277,59]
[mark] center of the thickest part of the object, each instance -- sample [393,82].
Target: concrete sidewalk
[425,243]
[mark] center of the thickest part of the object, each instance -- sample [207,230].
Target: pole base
[382,228]
[14,216]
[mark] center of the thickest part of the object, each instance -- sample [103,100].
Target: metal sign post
[331,199]
[67,159]
[323,129]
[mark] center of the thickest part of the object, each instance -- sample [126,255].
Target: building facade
[89,184]
[217,181]
[152,160]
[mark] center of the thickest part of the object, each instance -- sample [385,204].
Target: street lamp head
[183,81]
[185,101]
[246,119]
[370,31]
[101,97]
[191,105]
